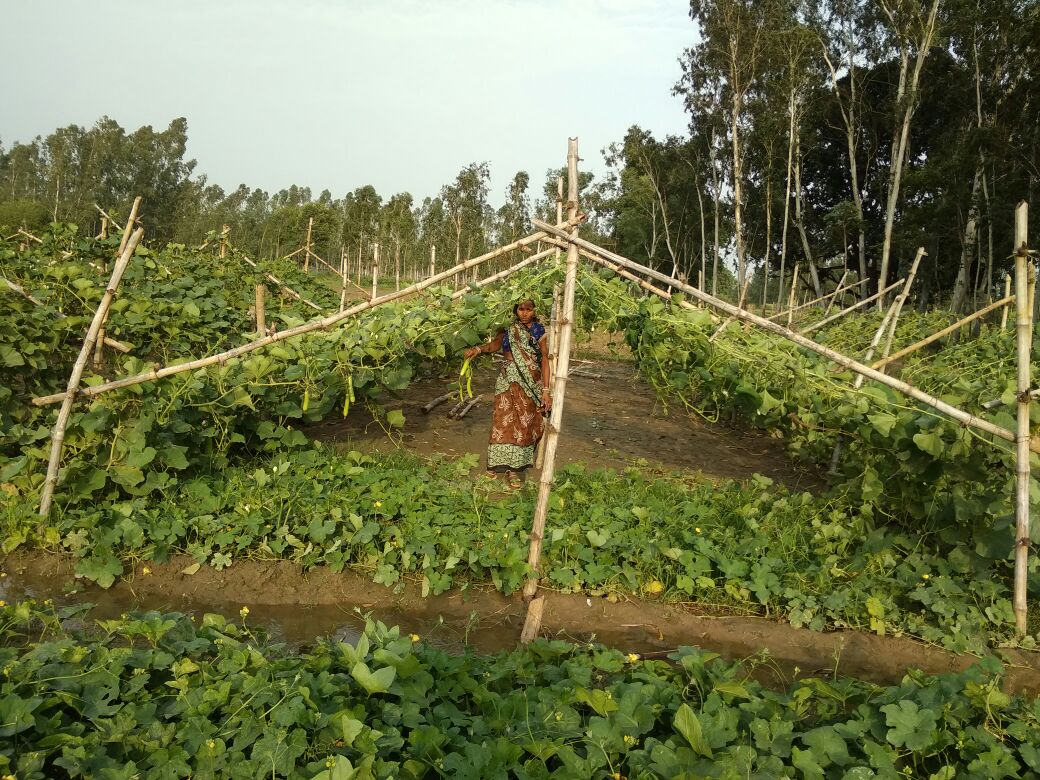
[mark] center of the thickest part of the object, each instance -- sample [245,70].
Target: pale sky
[336,94]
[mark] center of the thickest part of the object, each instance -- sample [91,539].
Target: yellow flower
[211,744]
[146,571]
[414,637]
[925,577]
[3,603]
[629,739]
[243,612]
[378,504]
[632,658]
[654,587]
[697,530]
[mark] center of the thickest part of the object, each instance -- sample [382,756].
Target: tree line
[837,135]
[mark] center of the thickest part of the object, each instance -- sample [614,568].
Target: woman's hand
[471,353]
[546,400]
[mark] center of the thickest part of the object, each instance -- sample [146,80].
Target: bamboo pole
[1007,294]
[599,255]
[375,271]
[728,320]
[901,299]
[307,246]
[551,340]
[533,621]
[501,274]
[224,230]
[129,226]
[433,258]
[837,290]
[343,279]
[559,212]
[1025,278]
[832,295]
[320,324]
[99,345]
[69,396]
[1003,302]
[852,308]
[794,289]
[109,342]
[261,309]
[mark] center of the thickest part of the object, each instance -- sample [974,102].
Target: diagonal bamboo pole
[794,291]
[901,299]
[728,320]
[944,332]
[814,301]
[320,324]
[503,274]
[798,338]
[129,226]
[1025,278]
[533,621]
[117,345]
[69,396]
[834,295]
[859,304]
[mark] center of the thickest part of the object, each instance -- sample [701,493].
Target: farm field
[196,508]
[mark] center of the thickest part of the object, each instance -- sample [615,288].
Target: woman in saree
[521,394]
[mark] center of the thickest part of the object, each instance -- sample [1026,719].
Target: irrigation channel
[614,421]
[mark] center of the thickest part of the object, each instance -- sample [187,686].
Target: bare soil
[611,419]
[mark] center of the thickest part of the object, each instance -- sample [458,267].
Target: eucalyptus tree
[464,200]
[360,221]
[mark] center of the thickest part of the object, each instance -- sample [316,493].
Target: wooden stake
[1024,280]
[307,246]
[1007,294]
[559,209]
[321,324]
[433,258]
[99,348]
[533,621]
[261,309]
[551,341]
[129,226]
[343,279]
[69,396]
[375,271]
[794,289]
[944,332]
[224,230]
[610,259]
[852,308]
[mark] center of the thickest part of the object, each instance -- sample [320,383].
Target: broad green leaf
[687,724]
[378,681]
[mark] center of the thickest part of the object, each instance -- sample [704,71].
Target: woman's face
[525,312]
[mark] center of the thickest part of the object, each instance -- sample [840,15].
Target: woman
[521,394]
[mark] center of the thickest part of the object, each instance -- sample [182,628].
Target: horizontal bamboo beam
[944,332]
[813,302]
[951,411]
[321,324]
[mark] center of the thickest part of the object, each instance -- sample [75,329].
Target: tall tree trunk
[738,186]
[769,242]
[968,243]
[787,199]
[906,99]
[814,274]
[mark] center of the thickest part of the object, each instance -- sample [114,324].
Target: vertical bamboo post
[790,302]
[1024,280]
[104,227]
[307,246]
[58,434]
[375,271]
[1004,312]
[901,299]
[559,213]
[533,621]
[552,340]
[433,258]
[261,309]
[99,348]
[224,230]
[343,278]
[359,263]
[397,270]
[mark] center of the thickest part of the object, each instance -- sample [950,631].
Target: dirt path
[611,418]
[297,607]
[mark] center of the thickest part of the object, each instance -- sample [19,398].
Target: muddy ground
[611,419]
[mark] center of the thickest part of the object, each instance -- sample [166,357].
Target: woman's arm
[492,346]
